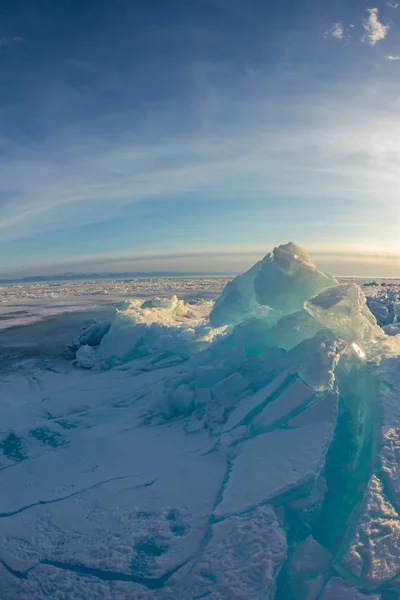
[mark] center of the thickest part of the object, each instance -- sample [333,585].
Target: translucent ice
[278,284]
[91,335]
[343,310]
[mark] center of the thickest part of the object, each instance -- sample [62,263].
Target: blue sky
[193,135]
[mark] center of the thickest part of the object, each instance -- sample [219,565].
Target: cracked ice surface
[247,449]
[373,553]
[242,558]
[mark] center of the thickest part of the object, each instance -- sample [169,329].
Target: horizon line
[88,276]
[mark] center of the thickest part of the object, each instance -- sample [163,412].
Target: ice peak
[277,285]
[294,250]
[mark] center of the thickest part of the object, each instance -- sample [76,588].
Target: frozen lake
[177,448]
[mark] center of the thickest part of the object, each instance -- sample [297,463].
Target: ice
[385,305]
[393,329]
[249,406]
[242,559]
[337,588]
[343,309]
[91,335]
[308,565]
[142,328]
[244,449]
[288,332]
[30,302]
[278,284]
[294,397]
[130,503]
[317,359]
[291,458]
[389,456]
[310,558]
[373,554]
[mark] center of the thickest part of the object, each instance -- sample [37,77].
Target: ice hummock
[156,329]
[243,450]
[277,285]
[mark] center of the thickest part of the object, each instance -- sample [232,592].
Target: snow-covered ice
[25,303]
[163,446]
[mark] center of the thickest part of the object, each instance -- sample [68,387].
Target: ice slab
[272,464]
[293,398]
[343,310]
[248,407]
[309,558]
[307,568]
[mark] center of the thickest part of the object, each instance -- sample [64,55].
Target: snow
[373,554]
[145,328]
[172,447]
[242,559]
[26,303]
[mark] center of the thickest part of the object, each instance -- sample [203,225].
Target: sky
[195,135]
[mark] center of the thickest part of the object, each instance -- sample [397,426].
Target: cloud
[392,57]
[376,31]
[337,31]
[259,170]
[75,182]
[5,41]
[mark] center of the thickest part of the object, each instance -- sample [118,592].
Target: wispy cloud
[337,31]
[5,41]
[376,31]
[392,57]
[74,182]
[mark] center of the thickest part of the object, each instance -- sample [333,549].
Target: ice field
[182,439]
